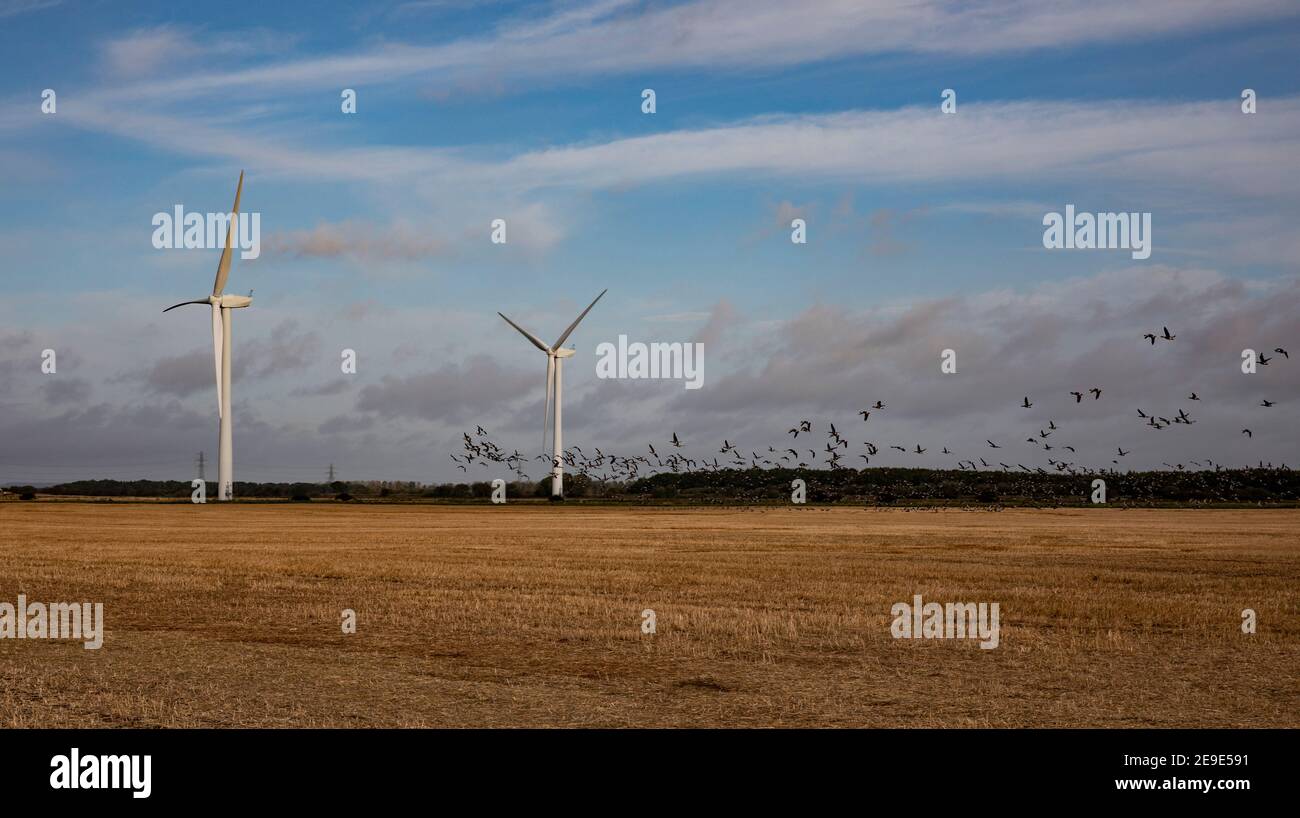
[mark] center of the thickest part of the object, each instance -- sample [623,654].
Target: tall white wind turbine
[555,355]
[221,307]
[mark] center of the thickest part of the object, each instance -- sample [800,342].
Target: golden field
[522,615]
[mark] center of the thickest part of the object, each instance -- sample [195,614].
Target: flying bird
[1167,336]
[1096,393]
[1078,396]
[1027,404]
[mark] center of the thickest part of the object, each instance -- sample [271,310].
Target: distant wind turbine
[221,307]
[555,355]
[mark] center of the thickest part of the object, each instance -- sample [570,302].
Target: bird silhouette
[1247,433]
[1096,393]
[1193,396]
[1027,404]
[1282,352]
[1266,403]
[992,445]
[1078,396]
[1167,336]
[1150,336]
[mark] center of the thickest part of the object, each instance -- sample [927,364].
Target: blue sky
[924,228]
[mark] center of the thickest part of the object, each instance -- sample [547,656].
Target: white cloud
[619,36]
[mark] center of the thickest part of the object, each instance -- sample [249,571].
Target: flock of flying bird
[601,466]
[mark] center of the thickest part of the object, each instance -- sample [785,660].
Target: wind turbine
[555,355]
[221,307]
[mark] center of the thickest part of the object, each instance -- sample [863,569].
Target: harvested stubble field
[516,615]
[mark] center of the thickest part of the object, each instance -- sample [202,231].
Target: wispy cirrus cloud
[146,52]
[13,8]
[1145,142]
[621,36]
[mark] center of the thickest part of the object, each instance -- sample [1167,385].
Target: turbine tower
[221,312]
[555,355]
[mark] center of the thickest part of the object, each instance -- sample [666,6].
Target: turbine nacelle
[230,302]
[564,353]
[234,302]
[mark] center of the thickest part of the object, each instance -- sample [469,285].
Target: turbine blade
[579,318]
[537,342]
[223,267]
[550,385]
[218,342]
[183,303]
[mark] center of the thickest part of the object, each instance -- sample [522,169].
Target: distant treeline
[877,486]
[884,486]
[288,491]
